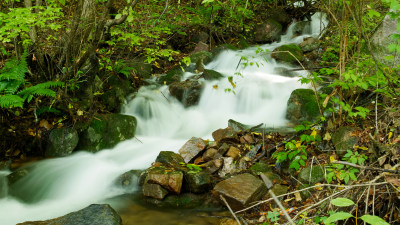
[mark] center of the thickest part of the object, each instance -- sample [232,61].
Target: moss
[259,167]
[302,106]
[282,53]
[203,55]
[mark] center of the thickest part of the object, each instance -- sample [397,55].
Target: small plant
[296,150]
[344,202]
[193,168]
[345,173]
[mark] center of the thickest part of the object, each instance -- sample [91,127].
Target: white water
[59,186]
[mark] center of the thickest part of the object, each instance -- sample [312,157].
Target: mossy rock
[174,75]
[312,175]
[307,193]
[259,167]
[343,139]
[141,68]
[105,131]
[282,54]
[62,142]
[212,75]
[302,106]
[215,51]
[116,91]
[205,56]
[268,31]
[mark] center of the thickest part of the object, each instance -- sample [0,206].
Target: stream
[55,187]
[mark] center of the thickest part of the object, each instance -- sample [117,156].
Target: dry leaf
[393,181]
[298,197]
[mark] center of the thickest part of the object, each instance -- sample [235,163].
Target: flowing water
[56,187]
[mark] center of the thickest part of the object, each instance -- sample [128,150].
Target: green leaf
[374,220]
[372,13]
[342,202]
[337,216]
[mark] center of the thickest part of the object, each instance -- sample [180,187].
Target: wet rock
[229,167]
[209,154]
[302,106]
[184,201]
[212,75]
[259,167]
[228,221]
[246,139]
[170,159]
[129,178]
[5,165]
[174,75]
[224,134]
[198,182]
[251,155]
[309,44]
[280,15]
[233,152]
[237,126]
[213,165]
[154,191]
[285,72]
[275,178]
[187,92]
[62,142]
[241,190]
[312,175]
[344,139]
[268,32]
[17,175]
[93,214]
[291,54]
[201,47]
[302,27]
[115,92]
[107,130]
[201,36]
[172,181]
[215,51]
[192,148]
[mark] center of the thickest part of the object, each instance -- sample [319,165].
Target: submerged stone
[187,92]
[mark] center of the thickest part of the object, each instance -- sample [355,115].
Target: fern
[12,101]
[41,89]
[12,75]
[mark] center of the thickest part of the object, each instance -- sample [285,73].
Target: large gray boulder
[62,142]
[187,92]
[192,148]
[267,32]
[382,38]
[93,214]
[105,131]
[343,140]
[302,106]
[241,190]
[312,175]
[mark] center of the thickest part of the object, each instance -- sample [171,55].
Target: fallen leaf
[298,197]
[393,181]
[327,136]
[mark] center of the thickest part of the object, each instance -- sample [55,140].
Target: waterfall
[56,187]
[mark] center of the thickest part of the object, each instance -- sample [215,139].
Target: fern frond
[12,101]
[41,89]
[14,69]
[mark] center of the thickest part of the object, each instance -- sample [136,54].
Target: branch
[227,205]
[366,167]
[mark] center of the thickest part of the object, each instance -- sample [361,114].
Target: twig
[227,205]
[366,167]
[311,187]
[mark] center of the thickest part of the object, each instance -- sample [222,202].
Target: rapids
[55,187]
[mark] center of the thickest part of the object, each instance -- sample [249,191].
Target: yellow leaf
[255,133]
[318,188]
[313,133]
[79,112]
[327,136]
[332,158]
[298,144]
[390,135]
[215,87]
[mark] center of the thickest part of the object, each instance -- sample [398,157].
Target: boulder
[215,51]
[302,106]
[17,175]
[290,53]
[61,142]
[309,44]
[268,32]
[211,75]
[312,175]
[93,214]
[172,181]
[237,126]
[241,190]
[170,159]
[278,189]
[225,134]
[5,165]
[302,27]
[198,182]
[209,154]
[129,179]
[192,148]
[212,166]
[187,92]
[203,56]
[343,140]
[184,201]
[201,47]
[154,191]
[280,15]
[107,130]
[383,37]
[174,75]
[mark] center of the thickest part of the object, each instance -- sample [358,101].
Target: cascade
[56,187]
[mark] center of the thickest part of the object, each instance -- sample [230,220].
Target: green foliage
[296,151]
[344,202]
[273,216]
[12,79]
[345,173]
[193,168]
